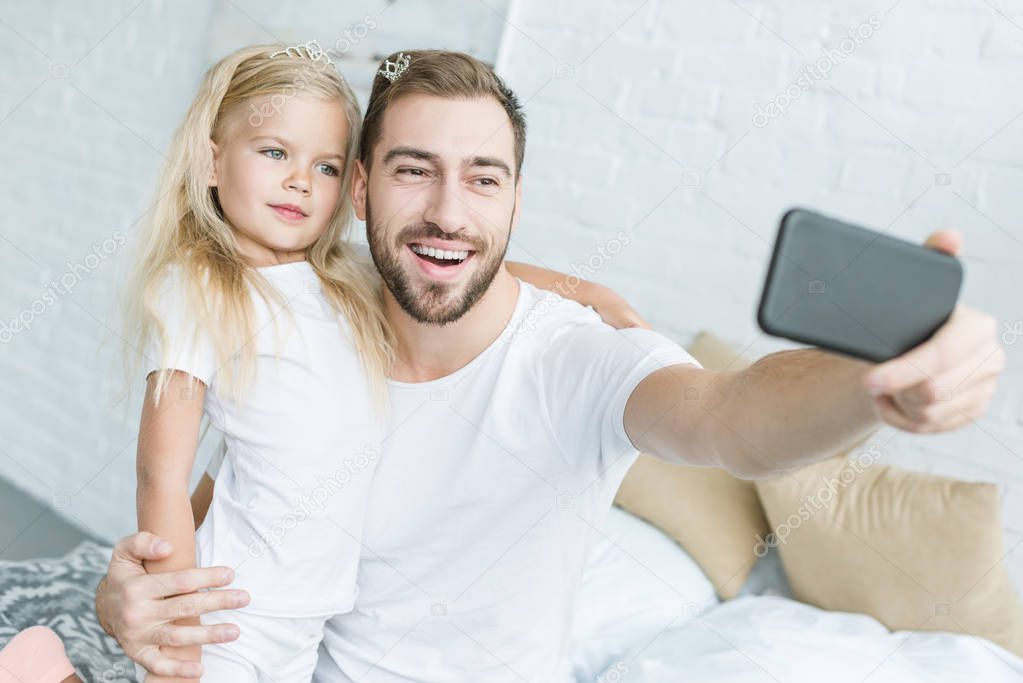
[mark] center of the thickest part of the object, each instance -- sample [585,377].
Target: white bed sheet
[646,613]
[774,639]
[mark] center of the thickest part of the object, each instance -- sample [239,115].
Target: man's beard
[436,303]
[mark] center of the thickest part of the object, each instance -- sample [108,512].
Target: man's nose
[444,208]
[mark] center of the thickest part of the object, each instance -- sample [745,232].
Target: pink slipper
[36,655]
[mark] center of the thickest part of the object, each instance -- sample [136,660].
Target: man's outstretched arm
[796,407]
[786,410]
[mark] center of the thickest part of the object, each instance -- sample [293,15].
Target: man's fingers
[961,406]
[959,386]
[182,581]
[948,241]
[891,414]
[197,604]
[927,359]
[141,546]
[912,367]
[181,636]
[634,319]
[155,662]
[946,412]
[965,329]
[979,367]
[913,401]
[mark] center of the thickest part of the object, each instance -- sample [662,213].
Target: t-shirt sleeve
[588,375]
[183,345]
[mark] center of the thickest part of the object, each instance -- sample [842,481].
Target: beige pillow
[714,516]
[915,551]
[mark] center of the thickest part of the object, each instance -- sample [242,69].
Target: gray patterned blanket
[58,593]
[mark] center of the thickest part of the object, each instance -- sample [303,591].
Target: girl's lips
[287,213]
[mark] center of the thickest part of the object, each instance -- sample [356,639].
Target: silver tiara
[308,50]
[396,68]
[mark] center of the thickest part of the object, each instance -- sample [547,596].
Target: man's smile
[441,260]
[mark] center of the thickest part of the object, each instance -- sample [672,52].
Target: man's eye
[329,170]
[273,153]
[415,172]
[487,182]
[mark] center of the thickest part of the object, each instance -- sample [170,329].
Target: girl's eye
[277,154]
[329,170]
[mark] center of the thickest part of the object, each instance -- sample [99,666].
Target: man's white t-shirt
[288,506]
[490,486]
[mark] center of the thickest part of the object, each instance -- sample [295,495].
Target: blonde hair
[188,232]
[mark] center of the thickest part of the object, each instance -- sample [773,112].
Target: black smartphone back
[853,290]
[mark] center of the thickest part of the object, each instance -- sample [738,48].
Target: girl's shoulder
[173,294]
[176,278]
[181,338]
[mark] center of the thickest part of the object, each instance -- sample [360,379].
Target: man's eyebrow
[491,162]
[413,152]
[432,157]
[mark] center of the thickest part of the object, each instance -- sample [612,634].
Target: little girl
[252,309]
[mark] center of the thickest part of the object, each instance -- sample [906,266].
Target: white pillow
[637,582]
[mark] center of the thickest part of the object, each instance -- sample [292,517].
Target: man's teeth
[440,253]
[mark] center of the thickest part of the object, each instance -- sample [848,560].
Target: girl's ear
[214,154]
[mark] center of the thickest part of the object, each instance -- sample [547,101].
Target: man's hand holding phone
[947,381]
[864,294]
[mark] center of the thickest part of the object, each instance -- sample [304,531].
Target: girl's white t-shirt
[301,448]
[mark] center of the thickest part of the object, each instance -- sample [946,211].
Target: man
[515,415]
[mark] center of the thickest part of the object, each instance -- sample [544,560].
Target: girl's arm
[615,310]
[168,438]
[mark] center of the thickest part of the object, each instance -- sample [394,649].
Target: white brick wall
[90,97]
[625,99]
[640,120]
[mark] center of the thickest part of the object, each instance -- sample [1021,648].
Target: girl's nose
[299,182]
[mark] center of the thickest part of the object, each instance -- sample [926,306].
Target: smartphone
[853,290]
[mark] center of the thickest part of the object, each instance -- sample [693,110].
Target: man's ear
[213,159]
[360,182]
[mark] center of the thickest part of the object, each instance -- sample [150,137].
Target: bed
[663,624]
[645,612]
